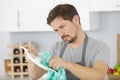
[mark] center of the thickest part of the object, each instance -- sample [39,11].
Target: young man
[81,56]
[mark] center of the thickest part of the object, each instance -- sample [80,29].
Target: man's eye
[56,30]
[61,27]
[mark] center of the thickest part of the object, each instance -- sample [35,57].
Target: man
[81,56]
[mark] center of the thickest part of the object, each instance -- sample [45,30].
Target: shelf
[18,63]
[18,73]
[15,55]
[25,64]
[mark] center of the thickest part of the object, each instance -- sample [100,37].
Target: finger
[33,50]
[55,62]
[51,61]
[55,65]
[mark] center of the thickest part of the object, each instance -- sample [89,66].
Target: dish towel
[52,74]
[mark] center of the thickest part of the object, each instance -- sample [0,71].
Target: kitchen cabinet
[89,21]
[104,5]
[34,15]
[31,15]
[24,15]
[9,13]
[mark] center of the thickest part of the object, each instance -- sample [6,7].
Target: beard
[69,39]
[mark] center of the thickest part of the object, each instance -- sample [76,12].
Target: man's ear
[76,19]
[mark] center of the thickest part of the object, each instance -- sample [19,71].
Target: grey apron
[69,75]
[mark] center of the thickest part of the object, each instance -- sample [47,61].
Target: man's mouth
[65,37]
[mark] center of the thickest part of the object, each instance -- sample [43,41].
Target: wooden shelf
[18,64]
[17,55]
[18,73]
[118,48]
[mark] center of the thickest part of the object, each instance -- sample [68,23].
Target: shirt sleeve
[56,48]
[103,53]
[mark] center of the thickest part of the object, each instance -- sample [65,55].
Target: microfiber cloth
[52,74]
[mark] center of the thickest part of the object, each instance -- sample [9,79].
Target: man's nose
[61,32]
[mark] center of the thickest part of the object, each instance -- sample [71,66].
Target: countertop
[16,78]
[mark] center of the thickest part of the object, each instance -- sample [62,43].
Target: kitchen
[108,29]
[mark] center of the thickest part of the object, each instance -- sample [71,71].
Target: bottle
[25,69]
[16,51]
[23,52]
[16,60]
[24,60]
[17,69]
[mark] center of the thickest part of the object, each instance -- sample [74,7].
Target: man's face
[65,28]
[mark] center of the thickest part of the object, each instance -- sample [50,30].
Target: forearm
[86,73]
[98,72]
[35,71]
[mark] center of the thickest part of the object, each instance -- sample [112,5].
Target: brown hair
[66,11]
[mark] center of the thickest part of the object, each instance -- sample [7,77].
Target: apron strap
[62,50]
[70,76]
[84,50]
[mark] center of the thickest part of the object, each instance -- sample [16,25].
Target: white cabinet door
[104,5]
[9,15]
[89,21]
[34,15]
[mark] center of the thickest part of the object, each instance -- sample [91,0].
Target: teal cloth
[52,74]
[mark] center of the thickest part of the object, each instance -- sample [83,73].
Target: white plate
[34,59]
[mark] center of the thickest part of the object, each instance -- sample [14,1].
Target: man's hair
[65,11]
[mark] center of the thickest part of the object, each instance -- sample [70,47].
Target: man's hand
[57,62]
[33,50]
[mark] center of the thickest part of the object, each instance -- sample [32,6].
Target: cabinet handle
[18,21]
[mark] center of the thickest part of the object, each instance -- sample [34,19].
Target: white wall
[4,41]
[109,28]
